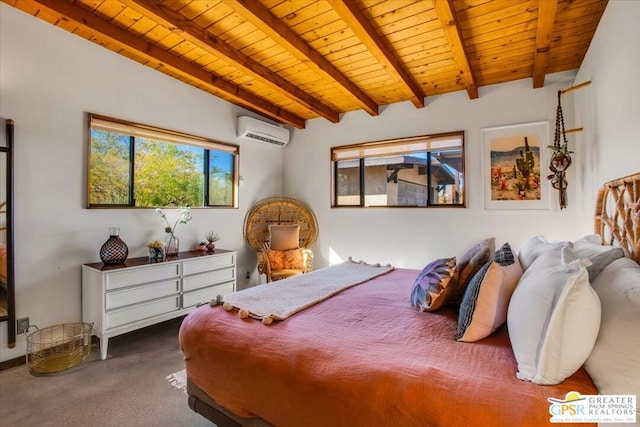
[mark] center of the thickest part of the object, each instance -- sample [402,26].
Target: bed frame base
[210,413]
[204,405]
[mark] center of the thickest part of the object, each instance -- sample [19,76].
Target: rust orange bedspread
[365,357]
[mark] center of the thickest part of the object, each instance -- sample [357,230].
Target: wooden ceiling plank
[502,43]
[503,52]
[583,24]
[142,26]
[116,35]
[492,11]
[389,11]
[211,18]
[284,36]
[395,35]
[317,23]
[194,9]
[447,16]
[504,33]
[546,19]
[33,8]
[200,37]
[506,17]
[296,12]
[569,10]
[379,48]
[333,28]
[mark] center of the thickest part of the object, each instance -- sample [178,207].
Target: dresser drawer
[132,314]
[121,298]
[210,262]
[189,299]
[122,279]
[197,281]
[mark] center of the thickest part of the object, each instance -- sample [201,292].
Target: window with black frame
[134,165]
[421,171]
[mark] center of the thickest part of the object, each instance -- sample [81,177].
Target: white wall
[412,237]
[49,79]
[609,109]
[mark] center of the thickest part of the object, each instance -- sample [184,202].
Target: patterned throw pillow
[285,260]
[431,287]
[486,299]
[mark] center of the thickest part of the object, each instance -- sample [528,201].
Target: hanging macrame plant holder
[560,158]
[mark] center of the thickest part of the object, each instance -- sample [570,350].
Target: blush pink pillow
[486,299]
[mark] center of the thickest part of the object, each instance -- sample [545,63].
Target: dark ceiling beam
[199,36]
[274,28]
[379,48]
[447,14]
[120,37]
[546,19]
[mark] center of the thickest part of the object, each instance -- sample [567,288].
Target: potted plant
[156,251]
[202,246]
[212,238]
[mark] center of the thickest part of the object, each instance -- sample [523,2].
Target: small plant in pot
[202,246]
[212,238]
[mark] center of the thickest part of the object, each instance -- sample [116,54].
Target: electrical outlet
[247,275]
[23,325]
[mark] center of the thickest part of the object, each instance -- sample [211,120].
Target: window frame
[393,146]
[133,130]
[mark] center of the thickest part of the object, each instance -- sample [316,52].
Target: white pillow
[614,363]
[553,318]
[532,248]
[600,255]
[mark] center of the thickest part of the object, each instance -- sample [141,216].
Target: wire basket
[58,347]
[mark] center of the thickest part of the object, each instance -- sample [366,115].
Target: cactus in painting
[526,162]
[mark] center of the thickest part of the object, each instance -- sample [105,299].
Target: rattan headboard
[617,216]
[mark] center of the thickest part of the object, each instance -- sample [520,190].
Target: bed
[365,356]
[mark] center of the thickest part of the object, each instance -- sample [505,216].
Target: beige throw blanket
[281,299]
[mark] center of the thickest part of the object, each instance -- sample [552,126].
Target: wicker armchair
[277,264]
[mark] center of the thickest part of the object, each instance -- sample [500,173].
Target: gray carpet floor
[129,388]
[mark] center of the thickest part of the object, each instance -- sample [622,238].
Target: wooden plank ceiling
[295,60]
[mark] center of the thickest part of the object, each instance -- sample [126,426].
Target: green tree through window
[137,167]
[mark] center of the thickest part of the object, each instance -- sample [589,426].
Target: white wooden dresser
[125,297]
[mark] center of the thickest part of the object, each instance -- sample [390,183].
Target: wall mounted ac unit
[250,128]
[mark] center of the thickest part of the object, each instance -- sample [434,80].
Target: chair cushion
[284,237]
[285,260]
[283,274]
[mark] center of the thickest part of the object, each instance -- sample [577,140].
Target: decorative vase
[202,248]
[172,244]
[114,250]
[211,247]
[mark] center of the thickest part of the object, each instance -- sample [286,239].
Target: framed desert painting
[514,158]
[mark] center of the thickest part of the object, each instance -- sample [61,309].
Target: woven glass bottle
[114,250]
